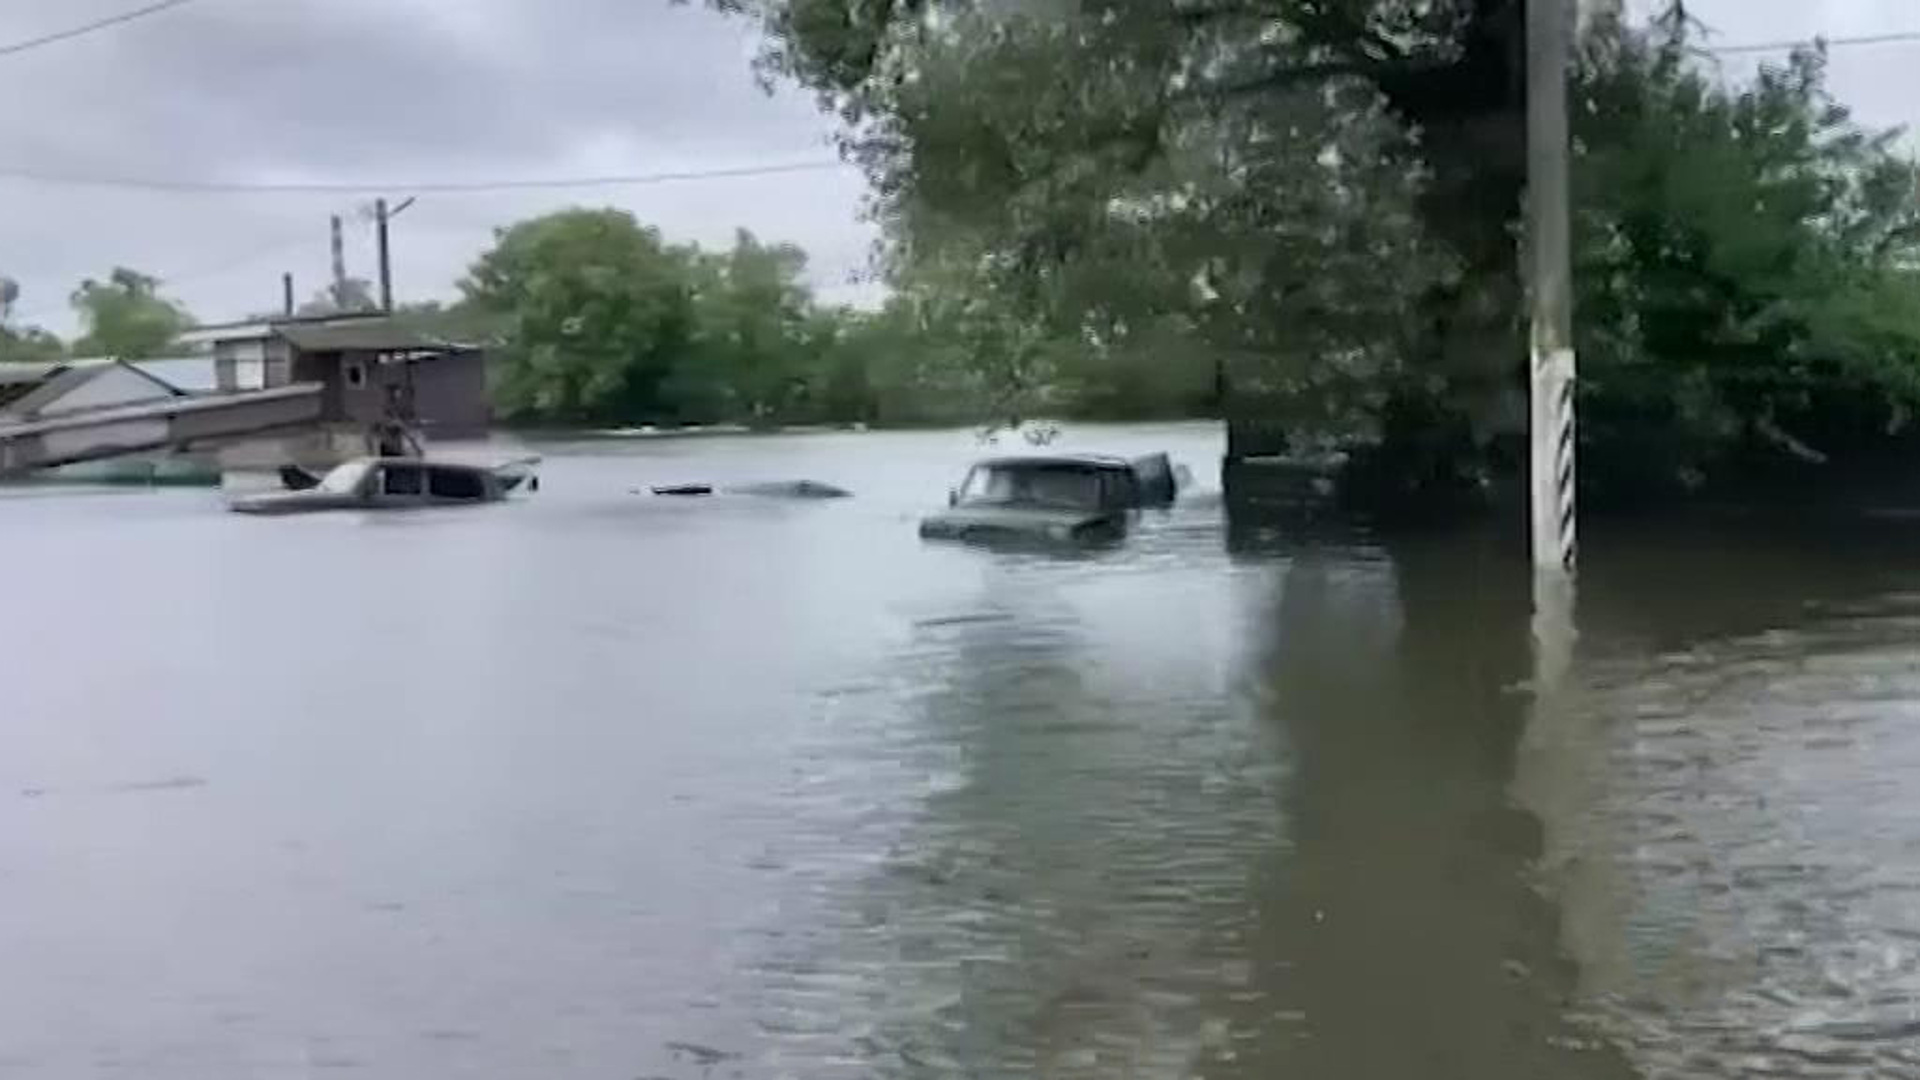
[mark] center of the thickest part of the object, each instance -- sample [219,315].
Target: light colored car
[394,484]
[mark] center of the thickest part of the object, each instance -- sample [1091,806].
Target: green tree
[747,353]
[125,316]
[593,309]
[23,343]
[1320,199]
[1748,296]
[29,344]
[1310,142]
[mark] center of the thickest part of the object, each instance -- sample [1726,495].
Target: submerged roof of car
[419,463]
[1057,461]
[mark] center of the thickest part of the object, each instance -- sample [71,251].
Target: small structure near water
[301,392]
[385,385]
[50,392]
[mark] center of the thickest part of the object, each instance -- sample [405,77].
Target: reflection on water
[1745,850]
[604,785]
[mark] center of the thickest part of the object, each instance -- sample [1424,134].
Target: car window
[400,480]
[456,484]
[345,479]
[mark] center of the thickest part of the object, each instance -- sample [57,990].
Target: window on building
[456,484]
[356,375]
[400,480]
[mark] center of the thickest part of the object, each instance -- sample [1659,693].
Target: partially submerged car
[1055,498]
[769,489]
[395,484]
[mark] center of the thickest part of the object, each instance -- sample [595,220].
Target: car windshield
[1063,486]
[345,479]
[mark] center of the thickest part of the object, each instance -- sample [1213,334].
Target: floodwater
[597,784]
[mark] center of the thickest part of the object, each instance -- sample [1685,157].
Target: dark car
[1053,498]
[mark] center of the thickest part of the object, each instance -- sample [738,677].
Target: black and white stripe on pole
[1555,536]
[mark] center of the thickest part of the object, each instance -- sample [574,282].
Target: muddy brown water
[596,784]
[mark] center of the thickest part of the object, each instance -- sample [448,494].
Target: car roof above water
[419,463]
[1055,461]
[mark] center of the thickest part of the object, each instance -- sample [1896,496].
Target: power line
[231,187]
[1900,38]
[88,28]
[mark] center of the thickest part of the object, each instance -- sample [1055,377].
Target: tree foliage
[1237,172]
[1322,200]
[125,316]
[1747,264]
[30,343]
[595,306]
[596,319]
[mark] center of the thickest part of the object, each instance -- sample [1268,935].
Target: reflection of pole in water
[1553,633]
[1558,776]
[1401,935]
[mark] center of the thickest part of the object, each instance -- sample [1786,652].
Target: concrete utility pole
[386,260]
[381,216]
[339,264]
[1549,246]
[286,294]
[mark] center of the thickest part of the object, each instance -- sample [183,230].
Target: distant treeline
[592,319]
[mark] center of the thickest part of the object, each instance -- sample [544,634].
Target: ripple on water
[1760,807]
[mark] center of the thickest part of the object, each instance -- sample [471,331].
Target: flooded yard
[602,784]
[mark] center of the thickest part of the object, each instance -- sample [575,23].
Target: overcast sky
[460,90]
[401,90]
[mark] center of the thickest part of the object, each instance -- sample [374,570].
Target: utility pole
[286,294]
[386,259]
[381,216]
[339,264]
[1549,235]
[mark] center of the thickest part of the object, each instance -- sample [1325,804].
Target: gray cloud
[350,90]
[354,90]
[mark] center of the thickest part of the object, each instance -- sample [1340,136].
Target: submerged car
[395,484]
[1061,499]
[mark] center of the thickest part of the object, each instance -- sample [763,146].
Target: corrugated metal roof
[383,335]
[49,393]
[194,374]
[14,372]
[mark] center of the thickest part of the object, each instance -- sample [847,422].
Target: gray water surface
[597,784]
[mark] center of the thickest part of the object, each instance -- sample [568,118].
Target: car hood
[1011,520]
[293,502]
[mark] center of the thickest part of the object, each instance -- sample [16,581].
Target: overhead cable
[87,28]
[368,187]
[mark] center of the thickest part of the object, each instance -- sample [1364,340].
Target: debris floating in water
[790,489]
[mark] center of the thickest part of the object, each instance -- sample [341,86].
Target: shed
[375,369]
[83,385]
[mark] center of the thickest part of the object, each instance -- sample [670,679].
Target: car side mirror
[953,497]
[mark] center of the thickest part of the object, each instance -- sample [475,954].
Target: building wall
[240,364]
[450,395]
[277,357]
